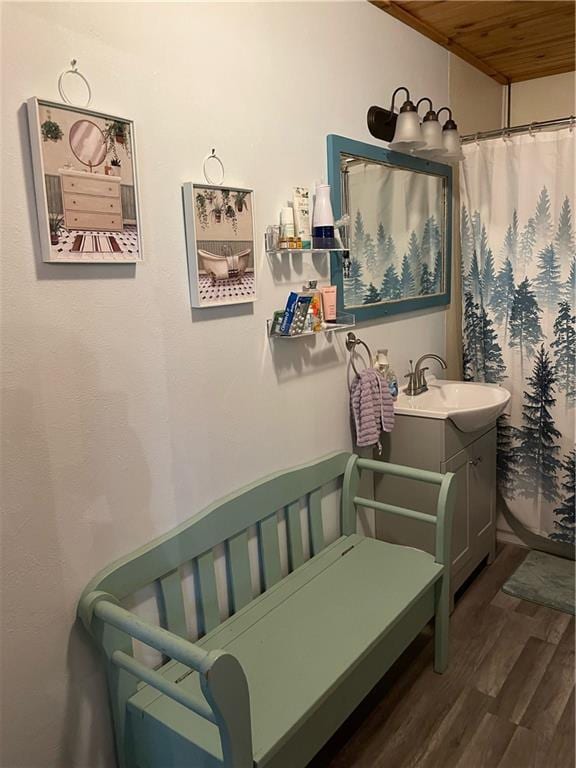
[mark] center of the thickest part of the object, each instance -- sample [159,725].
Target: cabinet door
[459,465]
[482,485]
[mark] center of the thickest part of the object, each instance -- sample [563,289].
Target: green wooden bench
[271,683]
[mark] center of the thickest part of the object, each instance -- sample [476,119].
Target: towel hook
[352,341]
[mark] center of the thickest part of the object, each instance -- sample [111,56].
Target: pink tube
[329,301]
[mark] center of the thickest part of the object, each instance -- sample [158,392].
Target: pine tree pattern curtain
[519,289]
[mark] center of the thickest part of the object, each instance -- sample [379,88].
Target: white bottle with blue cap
[383,366]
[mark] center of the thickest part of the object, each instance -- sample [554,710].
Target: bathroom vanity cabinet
[437,445]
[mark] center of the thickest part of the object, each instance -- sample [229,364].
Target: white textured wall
[546,98]
[123,411]
[476,99]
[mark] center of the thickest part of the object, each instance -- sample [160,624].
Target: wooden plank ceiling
[510,41]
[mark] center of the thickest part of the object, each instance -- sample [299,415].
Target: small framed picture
[86,184]
[219,224]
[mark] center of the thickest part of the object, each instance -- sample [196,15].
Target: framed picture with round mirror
[88,143]
[86,184]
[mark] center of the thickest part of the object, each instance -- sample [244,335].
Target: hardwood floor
[506,701]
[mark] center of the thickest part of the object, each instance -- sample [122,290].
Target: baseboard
[507,537]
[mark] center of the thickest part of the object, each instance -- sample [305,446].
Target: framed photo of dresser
[86,184]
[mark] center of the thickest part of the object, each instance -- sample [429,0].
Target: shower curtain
[518,284]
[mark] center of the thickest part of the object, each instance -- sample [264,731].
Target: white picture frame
[219,225]
[86,184]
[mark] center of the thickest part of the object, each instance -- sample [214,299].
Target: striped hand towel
[372,407]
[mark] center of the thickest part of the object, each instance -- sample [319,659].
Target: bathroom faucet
[416,377]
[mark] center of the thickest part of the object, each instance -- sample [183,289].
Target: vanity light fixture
[406,134]
[451,137]
[431,132]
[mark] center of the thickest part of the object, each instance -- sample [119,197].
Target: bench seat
[311,647]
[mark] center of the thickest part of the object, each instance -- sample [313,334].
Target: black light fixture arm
[400,88]
[449,124]
[430,115]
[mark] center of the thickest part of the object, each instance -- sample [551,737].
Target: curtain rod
[536,126]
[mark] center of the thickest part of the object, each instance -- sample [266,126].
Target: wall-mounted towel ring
[217,163]
[74,72]
[352,341]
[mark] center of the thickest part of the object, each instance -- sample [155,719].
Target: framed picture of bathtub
[86,184]
[219,224]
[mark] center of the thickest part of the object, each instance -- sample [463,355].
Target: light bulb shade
[451,140]
[407,134]
[432,135]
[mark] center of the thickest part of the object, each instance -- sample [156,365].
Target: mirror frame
[339,145]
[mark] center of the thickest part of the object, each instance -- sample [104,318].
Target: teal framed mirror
[399,233]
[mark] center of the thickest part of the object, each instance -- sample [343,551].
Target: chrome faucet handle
[411,387]
[420,384]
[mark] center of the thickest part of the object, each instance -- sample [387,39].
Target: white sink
[469,405]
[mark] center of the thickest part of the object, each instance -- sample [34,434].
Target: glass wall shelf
[342,323]
[280,251]
[324,245]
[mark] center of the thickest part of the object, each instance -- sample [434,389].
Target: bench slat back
[240,580]
[269,551]
[261,507]
[171,603]
[206,592]
[316,525]
[294,536]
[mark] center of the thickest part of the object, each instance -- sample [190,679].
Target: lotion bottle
[302,215]
[329,302]
[287,227]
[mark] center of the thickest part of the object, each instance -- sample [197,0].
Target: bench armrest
[105,607]
[399,470]
[222,678]
[444,507]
